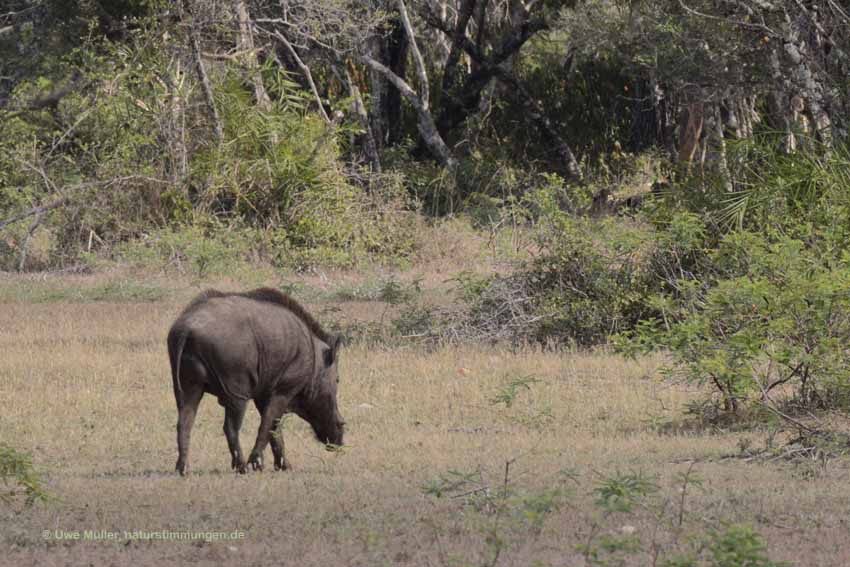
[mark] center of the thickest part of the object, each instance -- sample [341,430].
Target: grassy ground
[455,456]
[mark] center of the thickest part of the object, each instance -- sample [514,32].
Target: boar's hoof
[281,465]
[181,467]
[256,462]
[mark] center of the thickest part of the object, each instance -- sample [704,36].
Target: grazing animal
[260,345]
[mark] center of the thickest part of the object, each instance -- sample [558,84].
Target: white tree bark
[419,100]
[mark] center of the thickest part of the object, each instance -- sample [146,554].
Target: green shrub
[773,313]
[738,546]
[588,279]
[198,250]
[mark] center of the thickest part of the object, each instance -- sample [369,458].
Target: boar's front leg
[234,412]
[280,462]
[271,415]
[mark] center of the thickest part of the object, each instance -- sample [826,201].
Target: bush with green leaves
[801,194]
[588,279]
[772,314]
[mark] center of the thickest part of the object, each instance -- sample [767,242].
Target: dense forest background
[681,166]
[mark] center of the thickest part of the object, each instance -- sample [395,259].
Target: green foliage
[772,314]
[134,154]
[795,194]
[507,395]
[586,280]
[504,515]
[470,285]
[623,491]
[753,292]
[584,289]
[198,250]
[268,158]
[738,546]
[18,478]
[588,99]
[57,291]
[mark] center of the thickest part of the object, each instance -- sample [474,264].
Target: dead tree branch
[40,210]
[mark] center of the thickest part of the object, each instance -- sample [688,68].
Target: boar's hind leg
[234,412]
[270,417]
[280,462]
[187,407]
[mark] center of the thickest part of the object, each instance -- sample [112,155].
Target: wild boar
[259,345]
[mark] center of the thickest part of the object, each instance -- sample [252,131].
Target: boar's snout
[334,436]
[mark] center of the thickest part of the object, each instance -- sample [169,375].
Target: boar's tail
[176,343]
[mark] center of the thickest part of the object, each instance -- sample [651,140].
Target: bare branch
[61,202]
[397,81]
[424,94]
[50,100]
[235,57]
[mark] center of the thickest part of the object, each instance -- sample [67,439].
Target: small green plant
[19,478]
[738,545]
[387,290]
[630,495]
[454,482]
[735,545]
[507,395]
[505,515]
[623,491]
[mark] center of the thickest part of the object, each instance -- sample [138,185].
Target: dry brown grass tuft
[85,388]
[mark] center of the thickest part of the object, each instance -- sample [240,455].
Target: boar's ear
[332,352]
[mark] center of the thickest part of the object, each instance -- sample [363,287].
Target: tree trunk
[419,100]
[691,120]
[452,79]
[391,51]
[715,145]
[245,44]
[206,86]
[370,147]
[173,126]
[464,92]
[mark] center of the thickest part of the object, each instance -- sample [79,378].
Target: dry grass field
[85,388]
